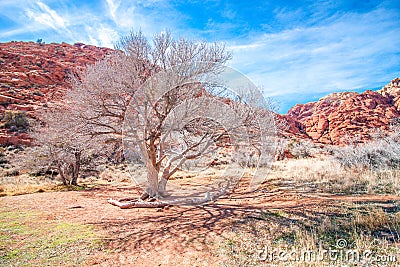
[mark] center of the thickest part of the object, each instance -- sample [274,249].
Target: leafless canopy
[102,94]
[163,100]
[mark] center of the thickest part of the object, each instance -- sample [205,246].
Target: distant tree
[62,145]
[39,41]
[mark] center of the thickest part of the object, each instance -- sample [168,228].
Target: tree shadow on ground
[197,226]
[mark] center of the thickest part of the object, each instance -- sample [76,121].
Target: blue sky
[296,51]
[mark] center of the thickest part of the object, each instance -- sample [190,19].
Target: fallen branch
[137,204]
[126,203]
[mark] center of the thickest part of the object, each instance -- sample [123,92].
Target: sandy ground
[174,236]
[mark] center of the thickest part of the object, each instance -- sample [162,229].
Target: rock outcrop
[340,116]
[33,74]
[392,91]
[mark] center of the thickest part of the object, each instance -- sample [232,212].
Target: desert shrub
[382,153]
[295,148]
[15,121]
[281,148]
[301,148]
[395,123]
[38,93]
[3,159]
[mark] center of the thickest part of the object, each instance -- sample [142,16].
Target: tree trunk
[162,185]
[126,203]
[152,181]
[62,174]
[76,168]
[137,204]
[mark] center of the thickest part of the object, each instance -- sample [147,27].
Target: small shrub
[377,155]
[15,121]
[38,93]
[301,148]
[395,122]
[40,41]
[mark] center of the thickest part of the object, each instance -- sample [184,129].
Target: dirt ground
[174,236]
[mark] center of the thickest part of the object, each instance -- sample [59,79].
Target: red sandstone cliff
[336,117]
[32,74]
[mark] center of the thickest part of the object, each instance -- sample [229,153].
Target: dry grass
[363,226]
[113,174]
[11,185]
[361,229]
[327,176]
[25,184]
[323,175]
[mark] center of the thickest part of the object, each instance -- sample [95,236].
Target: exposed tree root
[127,199]
[151,202]
[127,203]
[136,204]
[144,196]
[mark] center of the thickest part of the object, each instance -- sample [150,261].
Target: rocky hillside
[33,74]
[338,116]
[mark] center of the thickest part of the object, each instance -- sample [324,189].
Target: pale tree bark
[152,181]
[63,144]
[141,85]
[76,168]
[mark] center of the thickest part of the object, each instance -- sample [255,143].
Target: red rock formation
[392,91]
[289,127]
[32,74]
[339,116]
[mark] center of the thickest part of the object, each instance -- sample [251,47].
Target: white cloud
[149,16]
[106,36]
[113,7]
[46,16]
[349,52]
[344,51]
[66,21]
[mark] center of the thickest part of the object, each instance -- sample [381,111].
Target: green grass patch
[27,239]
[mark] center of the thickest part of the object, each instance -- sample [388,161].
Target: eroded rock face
[340,116]
[33,74]
[288,127]
[392,91]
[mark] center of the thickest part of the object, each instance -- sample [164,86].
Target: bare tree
[102,94]
[62,145]
[160,98]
